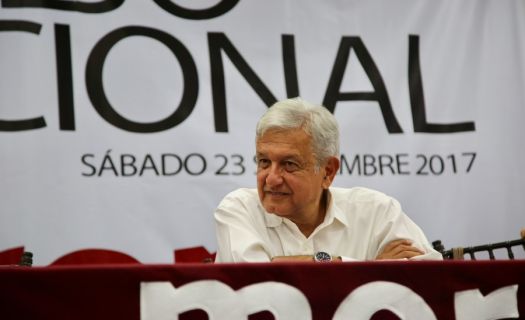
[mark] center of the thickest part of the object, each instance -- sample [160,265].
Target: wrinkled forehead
[285,135]
[285,142]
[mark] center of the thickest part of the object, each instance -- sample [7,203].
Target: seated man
[294,215]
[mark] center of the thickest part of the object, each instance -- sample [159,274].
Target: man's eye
[263,163]
[290,166]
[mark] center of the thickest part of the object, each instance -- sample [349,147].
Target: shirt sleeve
[395,225]
[240,232]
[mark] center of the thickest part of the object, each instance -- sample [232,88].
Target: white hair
[315,120]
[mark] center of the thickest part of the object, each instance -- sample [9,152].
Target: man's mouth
[276,193]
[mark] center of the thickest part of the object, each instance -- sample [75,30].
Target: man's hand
[399,249]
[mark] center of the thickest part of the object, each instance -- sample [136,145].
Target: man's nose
[274,177]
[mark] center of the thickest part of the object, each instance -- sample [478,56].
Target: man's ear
[331,166]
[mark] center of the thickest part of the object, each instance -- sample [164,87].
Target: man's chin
[284,216]
[276,211]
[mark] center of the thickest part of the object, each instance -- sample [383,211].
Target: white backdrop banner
[124,123]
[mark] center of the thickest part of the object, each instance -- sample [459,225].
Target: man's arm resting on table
[300,258]
[399,249]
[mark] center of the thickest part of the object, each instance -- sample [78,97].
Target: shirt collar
[334,212]
[271,219]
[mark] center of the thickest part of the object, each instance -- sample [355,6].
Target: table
[355,290]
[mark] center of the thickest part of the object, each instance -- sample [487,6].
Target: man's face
[287,181]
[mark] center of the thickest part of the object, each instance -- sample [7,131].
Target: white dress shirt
[358,223]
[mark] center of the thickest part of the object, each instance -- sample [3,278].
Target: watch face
[322,257]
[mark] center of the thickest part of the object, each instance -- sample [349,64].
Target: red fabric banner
[331,290]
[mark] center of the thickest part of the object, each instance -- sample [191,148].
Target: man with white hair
[295,214]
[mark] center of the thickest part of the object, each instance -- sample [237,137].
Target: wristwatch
[321,256]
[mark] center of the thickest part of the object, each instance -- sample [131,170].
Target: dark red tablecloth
[114,291]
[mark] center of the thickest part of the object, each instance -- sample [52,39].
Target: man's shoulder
[243,192]
[243,202]
[358,194]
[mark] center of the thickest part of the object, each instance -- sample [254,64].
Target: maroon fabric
[11,256]
[193,255]
[112,291]
[94,256]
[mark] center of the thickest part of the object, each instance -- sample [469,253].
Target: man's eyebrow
[292,157]
[284,157]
